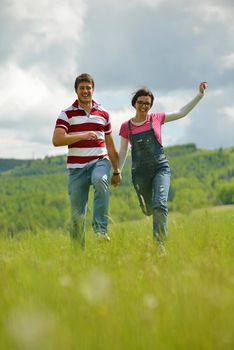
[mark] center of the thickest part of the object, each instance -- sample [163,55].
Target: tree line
[34,192]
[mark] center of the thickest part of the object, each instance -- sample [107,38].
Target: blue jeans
[79,181]
[160,186]
[152,191]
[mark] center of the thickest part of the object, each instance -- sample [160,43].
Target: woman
[150,168]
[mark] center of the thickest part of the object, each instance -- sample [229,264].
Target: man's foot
[102,236]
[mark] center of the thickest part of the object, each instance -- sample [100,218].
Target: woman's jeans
[152,191]
[96,174]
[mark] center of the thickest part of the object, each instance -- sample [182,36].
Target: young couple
[85,128]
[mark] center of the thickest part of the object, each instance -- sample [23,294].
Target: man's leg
[78,189]
[160,185]
[100,181]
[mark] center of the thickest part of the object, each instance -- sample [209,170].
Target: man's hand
[61,138]
[90,135]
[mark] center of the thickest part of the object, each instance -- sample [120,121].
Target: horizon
[165,148]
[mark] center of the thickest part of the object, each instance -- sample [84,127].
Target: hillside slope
[34,192]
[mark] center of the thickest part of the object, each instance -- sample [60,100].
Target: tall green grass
[124,294]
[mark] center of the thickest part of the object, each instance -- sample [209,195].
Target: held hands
[203,86]
[115,179]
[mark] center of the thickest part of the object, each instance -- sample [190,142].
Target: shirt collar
[77,106]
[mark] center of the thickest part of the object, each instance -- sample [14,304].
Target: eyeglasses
[142,103]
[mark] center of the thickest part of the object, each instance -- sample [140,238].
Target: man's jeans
[79,181]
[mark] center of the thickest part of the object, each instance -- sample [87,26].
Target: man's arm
[61,138]
[114,158]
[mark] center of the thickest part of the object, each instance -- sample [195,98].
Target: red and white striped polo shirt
[75,119]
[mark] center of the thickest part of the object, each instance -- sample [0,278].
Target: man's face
[85,92]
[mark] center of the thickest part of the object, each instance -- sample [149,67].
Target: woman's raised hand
[203,86]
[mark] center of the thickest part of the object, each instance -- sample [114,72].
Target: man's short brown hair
[85,77]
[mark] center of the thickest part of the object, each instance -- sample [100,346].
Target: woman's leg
[143,187]
[160,189]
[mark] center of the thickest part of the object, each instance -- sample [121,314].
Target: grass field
[123,294]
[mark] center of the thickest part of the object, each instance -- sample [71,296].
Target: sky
[168,45]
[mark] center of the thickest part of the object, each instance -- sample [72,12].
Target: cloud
[215,11]
[229,112]
[212,120]
[29,108]
[26,94]
[228,61]
[38,63]
[44,34]
[117,118]
[168,45]
[157,46]
[48,20]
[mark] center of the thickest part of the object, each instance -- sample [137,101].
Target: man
[86,129]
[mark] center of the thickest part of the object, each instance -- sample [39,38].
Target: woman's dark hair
[85,77]
[144,91]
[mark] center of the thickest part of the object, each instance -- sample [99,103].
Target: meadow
[124,294]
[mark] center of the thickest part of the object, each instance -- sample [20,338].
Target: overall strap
[151,122]
[130,129]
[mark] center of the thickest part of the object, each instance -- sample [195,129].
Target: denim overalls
[151,178]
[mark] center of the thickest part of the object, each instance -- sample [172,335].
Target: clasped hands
[116,179]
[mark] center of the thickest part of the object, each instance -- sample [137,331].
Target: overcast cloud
[169,45]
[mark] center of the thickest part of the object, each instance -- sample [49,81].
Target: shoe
[101,236]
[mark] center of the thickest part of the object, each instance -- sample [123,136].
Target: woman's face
[143,104]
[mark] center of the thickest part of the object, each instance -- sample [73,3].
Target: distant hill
[185,160]
[48,165]
[7,164]
[34,192]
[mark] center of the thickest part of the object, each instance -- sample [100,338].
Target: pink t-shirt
[157,120]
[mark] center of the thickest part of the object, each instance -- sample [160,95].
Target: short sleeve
[62,121]
[107,127]
[123,132]
[161,117]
